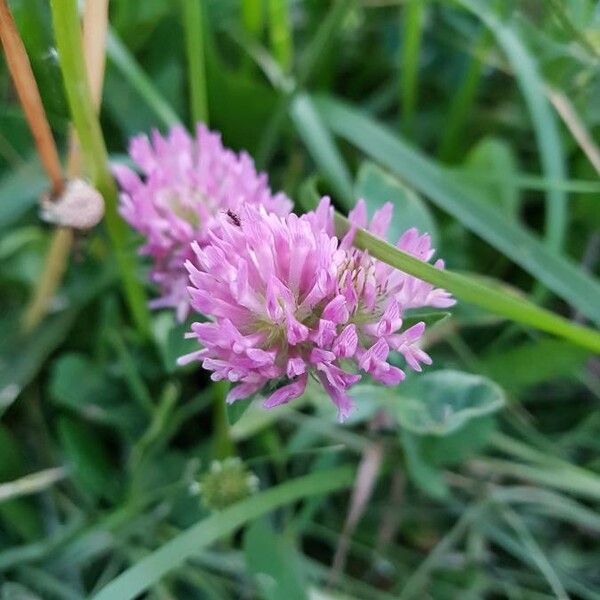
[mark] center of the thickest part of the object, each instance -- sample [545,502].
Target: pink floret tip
[184,184]
[286,299]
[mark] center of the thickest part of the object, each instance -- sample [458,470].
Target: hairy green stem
[67,32]
[471,290]
[223,443]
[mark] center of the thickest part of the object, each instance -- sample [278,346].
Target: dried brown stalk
[29,96]
[569,115]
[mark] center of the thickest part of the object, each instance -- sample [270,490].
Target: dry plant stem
[366,478]
[32,484]
[576,126]
[29,96]
[95,25]
[95,28]
[55,265]
[392,514]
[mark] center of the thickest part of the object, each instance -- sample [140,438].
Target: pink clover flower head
[185,183]
[287,300]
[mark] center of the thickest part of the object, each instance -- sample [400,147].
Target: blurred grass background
[478,120]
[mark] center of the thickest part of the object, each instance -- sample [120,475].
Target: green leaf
[20,190]
[174,553]
[429,317]
[16,591]
[422,473]
[76,381]
[494,158]
[87,457]
[377,187]
[171,340]
[454,448]
[559,274]
[533,362]
[322,147]
[273,560]
[236,410]
[78,384]
[442,402]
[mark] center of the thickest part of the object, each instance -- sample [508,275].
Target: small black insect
[234,217]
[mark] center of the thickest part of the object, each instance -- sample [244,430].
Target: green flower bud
[225,483]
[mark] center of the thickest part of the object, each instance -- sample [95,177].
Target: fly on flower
[185,183]
[234,217]
[287,299]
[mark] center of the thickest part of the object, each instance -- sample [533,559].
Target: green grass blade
[321,146]
[68,40]
[280,33]
[122,59]
[543,118]
[252,17]
[20,189]
[473,291]
[412,28]
[462,102]
[558,273]
[193,26]
[173,554]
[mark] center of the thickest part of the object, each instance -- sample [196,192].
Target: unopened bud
[79,206]
[226,482]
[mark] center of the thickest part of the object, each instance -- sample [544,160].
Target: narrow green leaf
[544,120]
[280,33]
[462,101]
[473,290]
[174,553]
[252,17]
[121,58]
[556,272]
[412,32]
[322,147]
[193,26]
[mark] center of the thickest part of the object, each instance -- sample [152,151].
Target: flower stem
[69,44]
[193,25]
[223,443]
[471,290]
